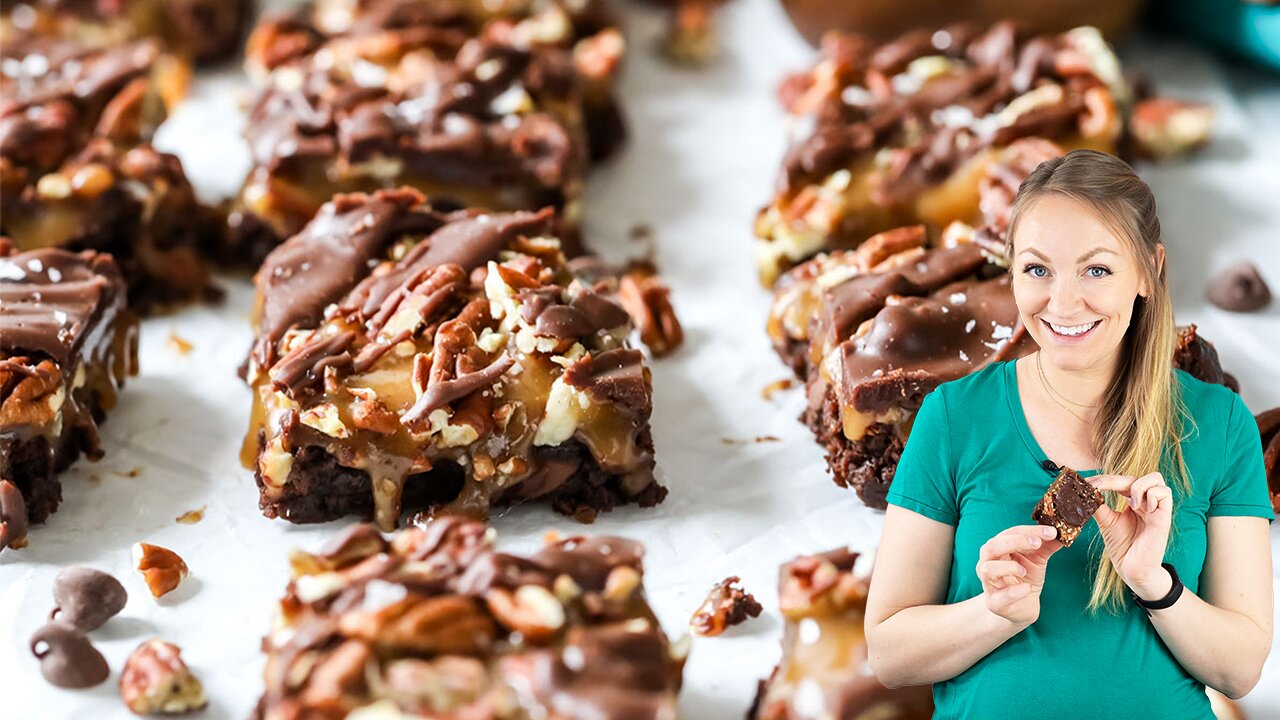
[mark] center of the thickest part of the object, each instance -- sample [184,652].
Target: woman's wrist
[1153,585]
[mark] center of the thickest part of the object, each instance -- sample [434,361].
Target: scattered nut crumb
[133,473]
[178,345]
[724,607]
[748,441]
[191,517]
[155,681]
[161,568]
[690,38]
[776,386]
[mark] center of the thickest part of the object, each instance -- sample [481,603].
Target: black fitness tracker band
[1175,592]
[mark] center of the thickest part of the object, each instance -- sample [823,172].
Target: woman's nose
[1065,295]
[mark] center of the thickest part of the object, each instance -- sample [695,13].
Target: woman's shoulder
[1206,402]
[976,387]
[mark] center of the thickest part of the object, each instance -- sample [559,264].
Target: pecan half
[155,681]
[647,299]
[531,610]
[428,625]
[1165,127]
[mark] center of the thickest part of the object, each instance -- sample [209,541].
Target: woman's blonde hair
[1141,418]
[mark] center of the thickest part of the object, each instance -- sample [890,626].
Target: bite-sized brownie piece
[433,622]
[1067,505]
[874,330]
[487,115]
[199,30]
[824,671]
[726,605]
[67,343]
[410,357]
[1269,430]
[76,170]
[899,134]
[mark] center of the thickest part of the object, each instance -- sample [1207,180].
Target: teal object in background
[1248,30]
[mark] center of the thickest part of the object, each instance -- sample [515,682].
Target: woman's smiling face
[1075,281]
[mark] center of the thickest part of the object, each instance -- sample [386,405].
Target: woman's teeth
[1073,329]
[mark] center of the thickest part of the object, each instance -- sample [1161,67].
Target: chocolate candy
[67,658]
[87,598]
[1239,288]
[1067,505]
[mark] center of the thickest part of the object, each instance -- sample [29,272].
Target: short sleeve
[925,479]
[1242,488]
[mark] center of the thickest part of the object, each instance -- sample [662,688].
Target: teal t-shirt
[972,462]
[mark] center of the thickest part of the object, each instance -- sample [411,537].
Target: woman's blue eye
[1097,271]
[1036,271]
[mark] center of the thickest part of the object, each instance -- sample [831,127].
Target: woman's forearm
[931,643]
[1221,648]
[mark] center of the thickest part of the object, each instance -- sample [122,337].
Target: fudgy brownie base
[866,465]
[320,489]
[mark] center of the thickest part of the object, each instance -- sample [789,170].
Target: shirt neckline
[1020,419]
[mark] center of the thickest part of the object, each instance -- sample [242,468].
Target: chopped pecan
[1165,127]
[819,585]
[456,368]
[343,550]
[725,606]
[531,610]
[690,37]
[446,625]
[32,392]
[648,301]
[161,568]
[155,681]
[338,673]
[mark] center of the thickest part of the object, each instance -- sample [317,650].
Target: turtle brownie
[197,30]
[67,343]
[412,358]
[76,169]
[433,622]
[1067,505]
[900,133]
[890,321]
[824,671]
[473,111]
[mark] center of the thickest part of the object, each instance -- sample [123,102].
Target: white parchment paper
[704,151]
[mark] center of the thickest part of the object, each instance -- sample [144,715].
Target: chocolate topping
[617,376]
[1067,505]
[917,343]
[1269,431]
[305,366]
[58,303]
[587,313]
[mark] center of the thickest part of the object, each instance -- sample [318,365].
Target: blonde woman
[1168,588]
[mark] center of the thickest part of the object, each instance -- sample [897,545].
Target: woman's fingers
[1114,483]
[1016,539]
[1001,599]
[1001,572]
[1145,493]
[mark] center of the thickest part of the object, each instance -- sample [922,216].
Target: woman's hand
[1137,535]
[1011,567]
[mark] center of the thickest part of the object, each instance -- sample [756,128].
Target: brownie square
[413,358]
[1067,505]
[433,622]
[67,343]
[77,170]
